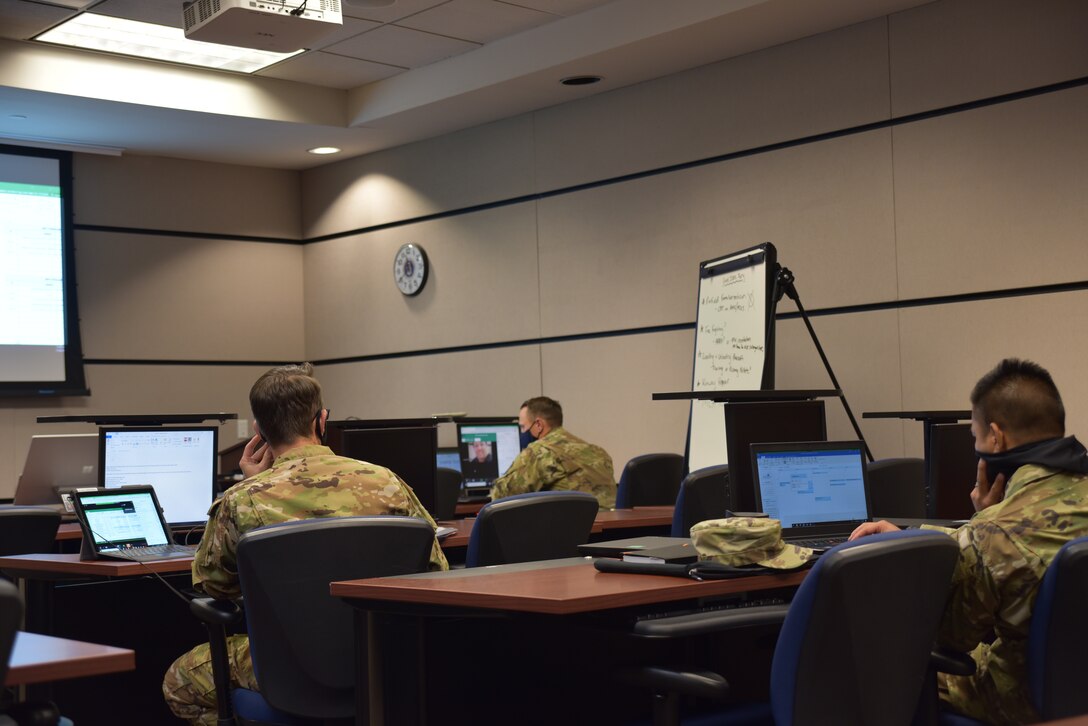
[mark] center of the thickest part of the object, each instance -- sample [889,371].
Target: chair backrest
[897,487]
[27,530]
[650,480]
[1057,641]
[446,492]
[530,527]
[703,495]
[301,638]
[855,644]
[11,614]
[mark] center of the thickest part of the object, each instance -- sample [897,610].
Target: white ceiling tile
[398,46]
[387,13]
[351,28]
[333,71]
[558,7]
[480,21]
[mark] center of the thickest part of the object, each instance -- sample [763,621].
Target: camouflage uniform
[305,483]
[560,461]
[1004,552]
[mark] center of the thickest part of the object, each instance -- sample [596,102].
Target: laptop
[816,489]
[55,462]
[125,524]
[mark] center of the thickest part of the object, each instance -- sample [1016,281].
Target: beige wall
[975,201]
[979,200]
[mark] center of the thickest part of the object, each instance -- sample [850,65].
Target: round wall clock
[410,269]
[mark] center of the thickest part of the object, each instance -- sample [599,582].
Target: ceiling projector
[280,26]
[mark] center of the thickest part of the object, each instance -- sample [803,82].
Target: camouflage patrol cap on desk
[739,541]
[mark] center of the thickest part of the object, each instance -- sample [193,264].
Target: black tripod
[783,285]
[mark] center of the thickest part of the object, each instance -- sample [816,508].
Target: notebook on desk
[817,489]
[125,524]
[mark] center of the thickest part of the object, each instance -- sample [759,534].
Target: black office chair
[301,638]
[703,495]
[11,616]
[446,492]
[897,488]
[531,527]
[650,480]
[854,645]
[27,530]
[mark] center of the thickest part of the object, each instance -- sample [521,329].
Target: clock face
[410,269]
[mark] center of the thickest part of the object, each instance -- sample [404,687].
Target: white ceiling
[391,74]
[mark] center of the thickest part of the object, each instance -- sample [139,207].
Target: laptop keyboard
[818,543]
[154,552]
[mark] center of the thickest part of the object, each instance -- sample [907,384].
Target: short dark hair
[285,401]
[545,408]
[1020,396]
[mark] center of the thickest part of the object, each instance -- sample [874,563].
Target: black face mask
[322,432]
[1001,463]
[1065,454]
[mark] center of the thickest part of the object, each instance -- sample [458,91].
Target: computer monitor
[57,461]
[407,447]
[448,458]
[178,462]
[487,450]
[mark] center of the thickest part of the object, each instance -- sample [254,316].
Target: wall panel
[627,255]
[954,51]
[482,287]
[151,192]
[165,298]
[475,166]
[822,83]
[993,198]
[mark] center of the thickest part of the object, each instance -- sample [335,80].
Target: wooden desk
[634,518]
[391,607]
[69,530]
[43,658]
[31,566]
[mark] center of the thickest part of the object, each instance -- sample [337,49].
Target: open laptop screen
[487,451]
[178,462]
[813,483]
[119,519]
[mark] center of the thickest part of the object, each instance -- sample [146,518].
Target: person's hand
[986,494]
[868,528]
[256,457]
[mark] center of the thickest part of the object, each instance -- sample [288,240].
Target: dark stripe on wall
[820,312]
[188,235]
[767,148]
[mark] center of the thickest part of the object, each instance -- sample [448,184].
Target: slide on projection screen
[40,351]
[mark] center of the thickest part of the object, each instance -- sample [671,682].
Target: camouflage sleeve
[415,508]
[215,567]
[973,597]
[523,476]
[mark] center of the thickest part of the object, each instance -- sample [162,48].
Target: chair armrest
[952,662]
[700,684]
[710,621]
[215,612]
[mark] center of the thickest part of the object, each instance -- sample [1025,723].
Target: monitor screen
[803,486]
[40,353]
[448,458]
[178,462]
[487,451]
[122,520]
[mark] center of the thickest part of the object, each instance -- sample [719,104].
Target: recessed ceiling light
[158,42]
[324,150]
[580,80]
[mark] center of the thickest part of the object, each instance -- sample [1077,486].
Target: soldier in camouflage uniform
[555,459]
[290,478]
[1037,501]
